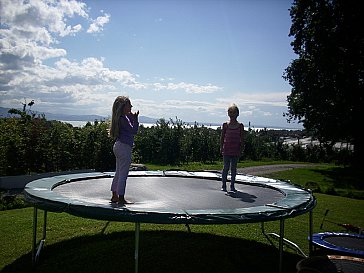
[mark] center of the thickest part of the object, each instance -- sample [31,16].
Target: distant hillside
[142,119]
[4,112]
[51,116]
[65,117]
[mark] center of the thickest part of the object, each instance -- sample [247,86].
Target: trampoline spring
[292,211]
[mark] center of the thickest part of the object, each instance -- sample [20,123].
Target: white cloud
[26,48]
[98,24]
[30,37]
[30,30]
[187,87]
[37,14]
[258,98]
[92,70]
[188,110]
[214,110]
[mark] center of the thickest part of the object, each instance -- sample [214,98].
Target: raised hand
[134,115]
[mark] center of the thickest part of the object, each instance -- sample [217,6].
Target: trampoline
[340,243]
[331,264]
[169,197]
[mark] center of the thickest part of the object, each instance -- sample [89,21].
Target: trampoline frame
[318,240]
[37,192]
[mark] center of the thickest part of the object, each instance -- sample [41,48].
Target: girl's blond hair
[117,111]
[234,108]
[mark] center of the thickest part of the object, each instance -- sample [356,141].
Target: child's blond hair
[117,111]
[234,109]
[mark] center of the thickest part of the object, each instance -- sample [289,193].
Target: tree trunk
[358,158]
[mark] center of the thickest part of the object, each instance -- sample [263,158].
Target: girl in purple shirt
[124,125]
[231,145]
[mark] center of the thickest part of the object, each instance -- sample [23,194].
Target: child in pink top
[231,145]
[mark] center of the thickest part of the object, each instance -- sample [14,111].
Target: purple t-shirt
[128,127]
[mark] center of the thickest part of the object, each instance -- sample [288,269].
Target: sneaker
[223,189]
[122,201]
[232,188]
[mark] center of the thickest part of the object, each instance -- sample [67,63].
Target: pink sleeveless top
[232,141]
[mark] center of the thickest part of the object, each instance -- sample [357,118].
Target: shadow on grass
[346,182]
[160,251]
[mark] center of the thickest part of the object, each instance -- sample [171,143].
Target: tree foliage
[32,144]
[173,142]
[327,77]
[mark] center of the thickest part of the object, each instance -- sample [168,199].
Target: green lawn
[81,245]
[330,179]
[197,166]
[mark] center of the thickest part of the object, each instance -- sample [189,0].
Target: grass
[73,242]
[84,245]
[329,179]
[321,178]
[197,166]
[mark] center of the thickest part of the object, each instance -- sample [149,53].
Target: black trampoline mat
[355,243]
[169,193]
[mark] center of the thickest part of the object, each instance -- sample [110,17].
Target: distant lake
[303,142]
[77,123]
[81,123]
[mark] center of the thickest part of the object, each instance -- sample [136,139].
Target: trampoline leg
[188,228]
[35,224]
[311,233]
[35,251]
[265,234]
[281,236]
[136,254]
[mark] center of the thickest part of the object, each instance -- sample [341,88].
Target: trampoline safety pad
[171,197]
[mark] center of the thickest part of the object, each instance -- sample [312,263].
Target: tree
[327,78]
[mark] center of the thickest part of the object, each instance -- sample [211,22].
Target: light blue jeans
[229,162]
[122,153]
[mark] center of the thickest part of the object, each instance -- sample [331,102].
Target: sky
[186,59]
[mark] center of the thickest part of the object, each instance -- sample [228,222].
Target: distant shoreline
[81,123]
[81,120]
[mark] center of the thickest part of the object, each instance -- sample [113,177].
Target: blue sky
[188,59]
